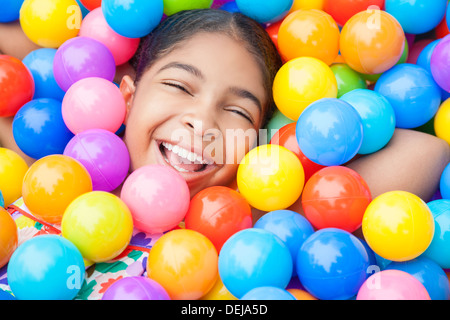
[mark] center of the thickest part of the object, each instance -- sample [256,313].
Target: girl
[200,75]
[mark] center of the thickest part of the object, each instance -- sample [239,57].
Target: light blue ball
[412,92]
[267,11]
[329,132]
[268,293]
[254,258]
[10,10]
[46,267]
[377,115]
[444,182]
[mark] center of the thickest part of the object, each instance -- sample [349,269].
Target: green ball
[277,121]
[173,6]
[347,79]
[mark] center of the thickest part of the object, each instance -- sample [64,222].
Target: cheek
[238,143]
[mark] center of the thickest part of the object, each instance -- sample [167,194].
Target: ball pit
[91,4]
[271,11]
[343,10]
[8,237]
[347,79]
[442,121]
[174,6]
[440,63]
[10,11]
[268,293]
[12,170]
[135,288]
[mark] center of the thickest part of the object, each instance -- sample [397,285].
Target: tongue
[179,162]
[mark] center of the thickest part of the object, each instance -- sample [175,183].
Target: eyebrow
[243,93]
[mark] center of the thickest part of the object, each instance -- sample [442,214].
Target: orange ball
[312,33]
[51,184]
[372,41]
[301,294]
[8,237]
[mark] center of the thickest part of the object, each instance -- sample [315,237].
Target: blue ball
[444,182]
[439,248]
[377,115]
[10,10]
[424,58]
[332,264]
[84,10]
[329,132]
[268,11]
[448,16]
[429,273]
[6,296]
[291,227]
[254,258]
[230,7]
[412,92]
[133,19]
[417,16]
[40,64]
[39,129]
[268,293]
[46,267]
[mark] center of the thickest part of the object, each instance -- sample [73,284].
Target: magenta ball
[93,103]
[94,26]
[157,196]
[82,57]
[440,63]
[135,288]
[103,154]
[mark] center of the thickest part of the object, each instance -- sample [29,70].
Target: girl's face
[197,109]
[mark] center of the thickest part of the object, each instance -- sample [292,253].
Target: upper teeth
[183,153]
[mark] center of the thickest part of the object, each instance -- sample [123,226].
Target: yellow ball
[12,170]
[99,224]
[307,4]
[398,226]
[442,121]
[49,23]
[300,82]
[270,177]
[219,292]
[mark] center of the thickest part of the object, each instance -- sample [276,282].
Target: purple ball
[135,288]
[440,63]
[82,57]
[104,155]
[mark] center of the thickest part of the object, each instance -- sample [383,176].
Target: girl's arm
[13,42]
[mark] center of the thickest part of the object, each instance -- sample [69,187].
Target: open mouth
[182,159]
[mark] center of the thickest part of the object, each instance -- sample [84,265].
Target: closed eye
[243,114]
[177,86]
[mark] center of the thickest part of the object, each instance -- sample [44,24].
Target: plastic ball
[330,132]
[218,292]
[268,293]
[12,170]
[301,294]
[94,26]
[6,296]
[290,227]
[134,19]
[157,196]
[184,262]
[372,41]
[230,7]
[332,264]
[311,33]
[84,10]
[271,11]
[442,29]
[103,154]
[412,92]
[438,250]
[8,237]
[377,115]
[392,285]
[91,4]
[39,129]
[51,184]
[277,121]
[80,58]
[347,79]
[99,224]
[10,11]
[40,64]
[135,288]
[429,273]
[411,14]
[50,23]
[300,82]
[93,103]
[287,138]
[273,29]
[398,226]
[254,258]
[343,10]
[424,58]
[442,123]
[336,197]
[270,177]
[218,212]
[46,267]
[307,4]
[440,63]
[444,183]
[17,85]
[416,49]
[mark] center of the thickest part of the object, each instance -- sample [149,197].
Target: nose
[202,124]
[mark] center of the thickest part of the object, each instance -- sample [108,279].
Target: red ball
[218,212]
[91,4]
[343,10]
[272,30]
[16,85]
[285,137]
[336,197]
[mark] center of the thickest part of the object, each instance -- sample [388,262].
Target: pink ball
[392,285]
[94,26]
[157,196]
[93,103]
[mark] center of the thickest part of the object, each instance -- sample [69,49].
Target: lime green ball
[347,79]
[173,6]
